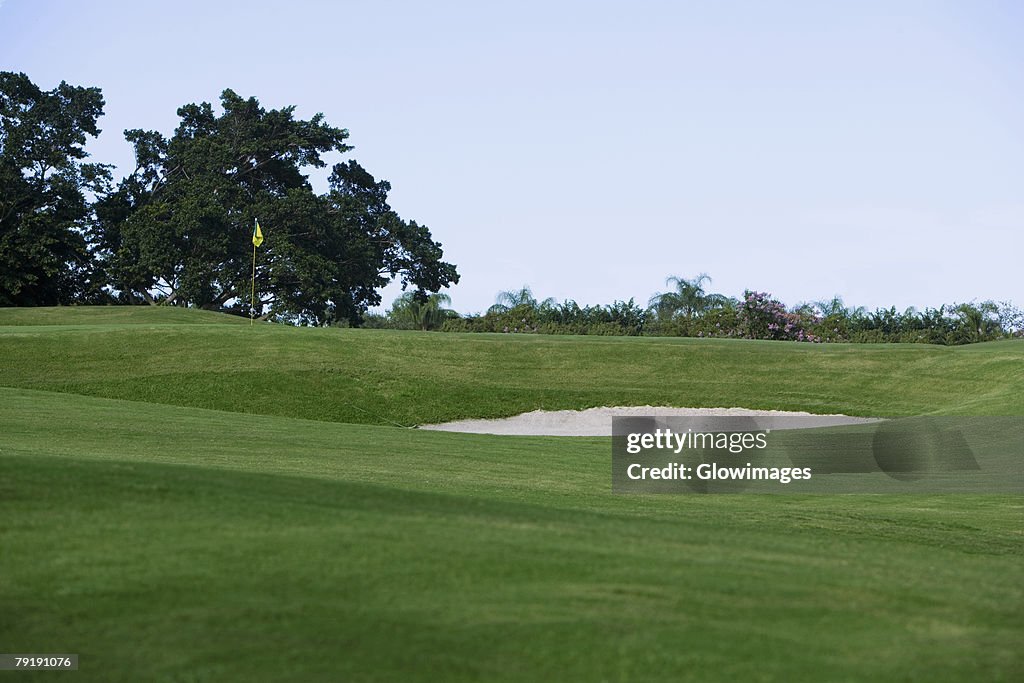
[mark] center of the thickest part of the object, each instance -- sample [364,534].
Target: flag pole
[257,240]
[252,301]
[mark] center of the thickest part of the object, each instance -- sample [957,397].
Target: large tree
[177,229]
[44,191]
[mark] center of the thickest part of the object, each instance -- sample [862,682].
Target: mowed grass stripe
[65,316]
[384,377]
[575,472]
[170,543]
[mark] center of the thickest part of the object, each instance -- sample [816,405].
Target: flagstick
[252,303]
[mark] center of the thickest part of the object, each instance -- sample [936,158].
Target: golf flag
[257,240]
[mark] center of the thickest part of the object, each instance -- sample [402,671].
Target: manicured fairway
[172,543]
[385,377]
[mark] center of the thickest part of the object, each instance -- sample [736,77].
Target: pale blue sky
[873,150]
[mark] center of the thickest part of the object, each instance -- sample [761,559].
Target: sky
[590,150]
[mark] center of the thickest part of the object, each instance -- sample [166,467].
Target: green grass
[383,377]
[172,543]
[114,315]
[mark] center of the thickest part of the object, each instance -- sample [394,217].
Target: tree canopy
[176,230]
[44,191]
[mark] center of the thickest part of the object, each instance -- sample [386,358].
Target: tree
[976,322]
[688,299]
[507,300]
[44,256]
[177,229]
[430,313]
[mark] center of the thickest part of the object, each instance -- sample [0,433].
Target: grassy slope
[178,544]
[368,376]
[106,316]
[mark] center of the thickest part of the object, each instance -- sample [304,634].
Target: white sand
[598,421]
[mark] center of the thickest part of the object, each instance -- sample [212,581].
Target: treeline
[177,229]
[687,310]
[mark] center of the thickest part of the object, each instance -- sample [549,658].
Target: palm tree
[836,307]
[977,321]
[831,308]
[423,315]
[845,319]
[506,301]
[689,298]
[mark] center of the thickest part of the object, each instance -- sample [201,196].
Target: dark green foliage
[177,230]
[951,325]
[689,311]
[44,257]
[411,312]
[518,299]
[548,317]
[687,299]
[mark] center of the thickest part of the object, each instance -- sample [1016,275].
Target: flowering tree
[762,317]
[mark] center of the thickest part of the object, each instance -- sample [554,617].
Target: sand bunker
[598,421]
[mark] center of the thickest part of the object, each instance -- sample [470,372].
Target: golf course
[187,497]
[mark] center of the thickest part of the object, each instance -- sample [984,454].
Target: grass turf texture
[181,544]
[383,376]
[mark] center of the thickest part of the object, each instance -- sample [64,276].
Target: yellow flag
[257,235]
